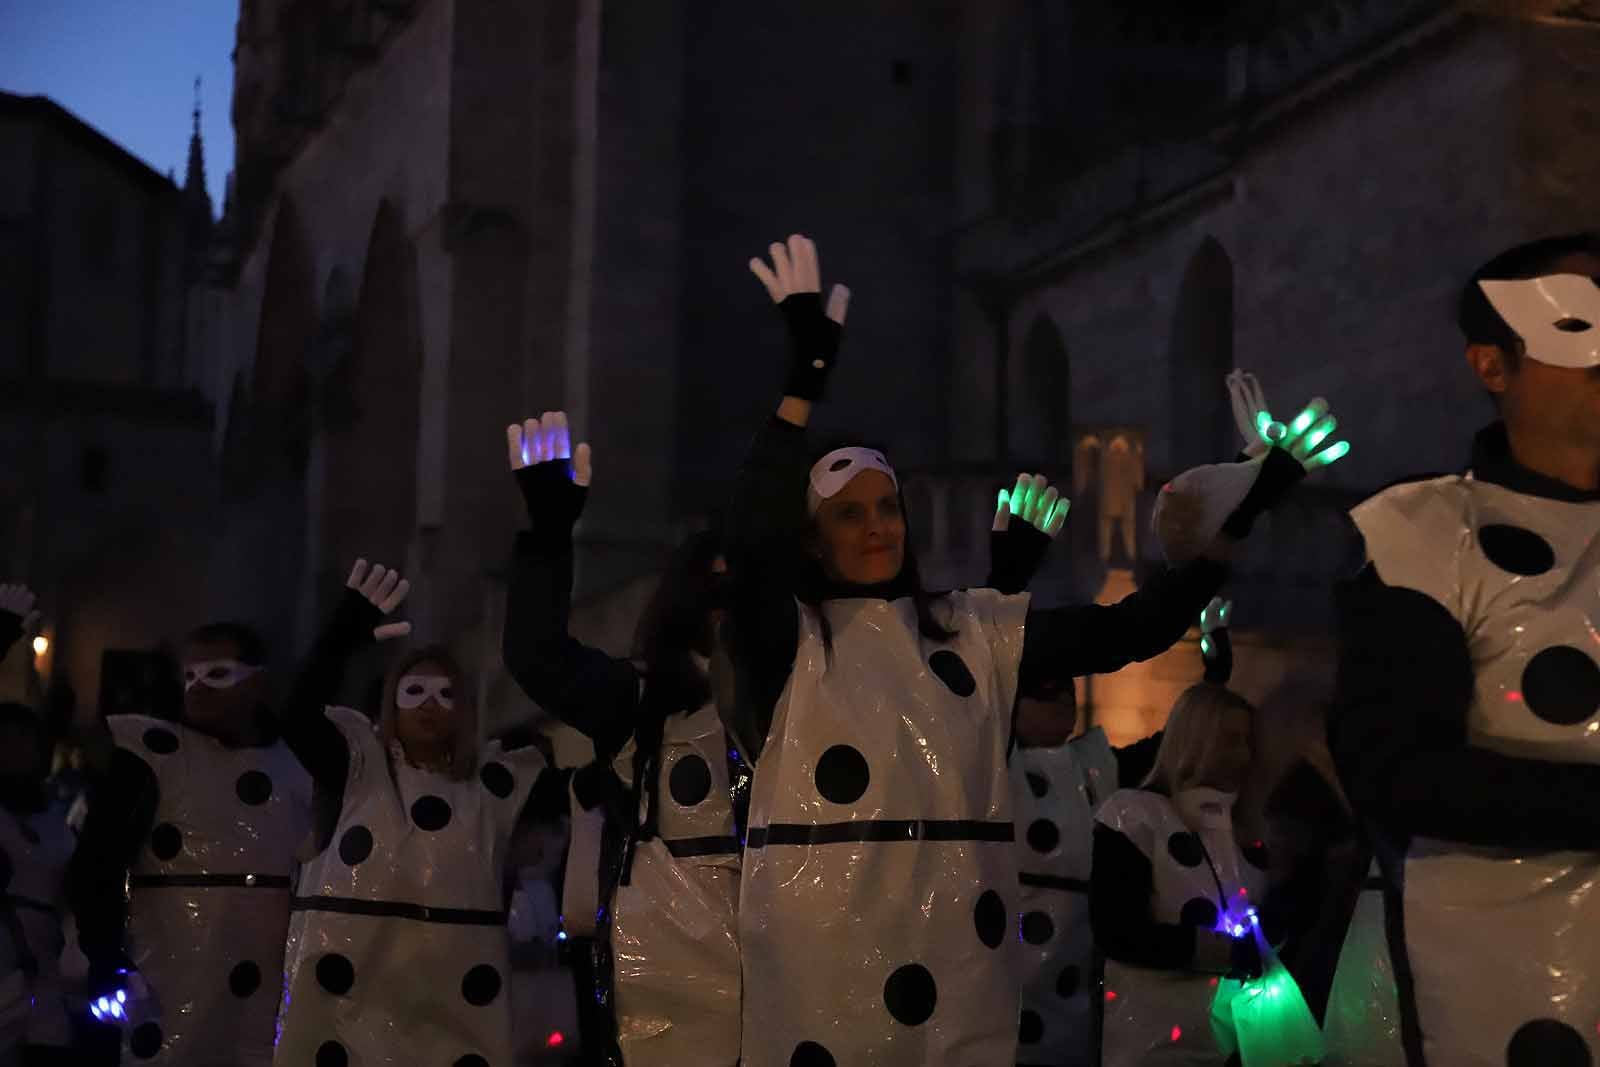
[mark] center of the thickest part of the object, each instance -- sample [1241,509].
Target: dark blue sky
[127,68]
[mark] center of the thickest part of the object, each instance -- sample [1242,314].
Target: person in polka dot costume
[397,950]
[878,909]
[1467,723]
[672,902]
[204,819]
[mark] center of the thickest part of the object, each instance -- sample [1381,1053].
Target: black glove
[1280,472]
[1218,656]
[1246,963]
[1014,556]
[813,344]
[554,501]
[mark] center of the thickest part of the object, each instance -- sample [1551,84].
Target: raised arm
[1027,518]
[16,615]
[766,516]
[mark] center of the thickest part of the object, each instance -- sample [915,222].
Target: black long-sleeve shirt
[1398,731]
[761,631]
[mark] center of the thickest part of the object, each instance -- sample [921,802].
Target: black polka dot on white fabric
[145,1041]
[811,1054]
[1200,912]
[1547,1043]
[336,974]
[842,775]
[839,464]
[244,979]
[1255,854]
[1043,835]
[1038,784]
[161,741]
[1068,982]
[472,1059]
[1037,927]
[910,994]
[989,917]
[690,780]
[166,841]
[480,985]
[1561,685]
[1513,549]
[254,788]
[430,813]
[332,1054]
[952,671]
[1031,1029]
[1185,849]
[497,779]
[355,845]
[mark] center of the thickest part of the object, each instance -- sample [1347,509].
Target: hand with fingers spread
[794,281]
[1017,548]
[1216,647]
[554,477]
[376,592]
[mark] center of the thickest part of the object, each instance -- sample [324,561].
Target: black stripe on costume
[1050,881]
[687,847]
[394,909]
[859,830]
[209,881]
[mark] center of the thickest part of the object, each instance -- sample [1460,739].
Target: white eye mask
[1557,316]
[833,472]
[217,673]
[415,689]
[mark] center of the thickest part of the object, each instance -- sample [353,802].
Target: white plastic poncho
[210,891]
[674,929]
[398,952]
[35,849]
[1058,790]
[879,900]
[1500,942]
[1201,879]
[1362,1023]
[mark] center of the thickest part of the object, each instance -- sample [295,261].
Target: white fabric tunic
[210,891]
[398,951]
[1201,877]
[1362,1023]
[1501,942]
[1057,792]
[879,899]
[35,849]
[674,930]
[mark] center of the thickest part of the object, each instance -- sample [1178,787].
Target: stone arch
[1199,357]
[1041,405]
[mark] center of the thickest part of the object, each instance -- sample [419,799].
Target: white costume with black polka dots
[1361,1027]
[398,952]
[34,852]
[1501,942]
[210,891]
[1162,1016]
[674,928]
[1058,790]
[880,877]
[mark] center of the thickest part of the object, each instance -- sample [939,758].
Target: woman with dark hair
[397,949]
[669,883]
[878,899]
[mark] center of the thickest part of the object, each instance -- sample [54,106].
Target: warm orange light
[41,645]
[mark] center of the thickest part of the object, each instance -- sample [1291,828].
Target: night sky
[127,68]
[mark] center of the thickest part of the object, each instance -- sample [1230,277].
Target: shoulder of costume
[130,733]
[1412,531]
[1135,814]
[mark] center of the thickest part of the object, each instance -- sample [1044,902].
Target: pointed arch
[1199,356]
[1041,406]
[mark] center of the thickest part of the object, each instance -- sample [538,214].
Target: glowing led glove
[121,997]
[554,477]
[1303,436]
[1017,548]
[382,591]
[794,281]
[1216,647]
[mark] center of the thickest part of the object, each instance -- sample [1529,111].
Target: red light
[1243,891]
[555,1040]
[1177,1033]
[1214,982]
[1110,996]
[1514,696]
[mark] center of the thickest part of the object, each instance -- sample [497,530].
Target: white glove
[19,600]
[383,589]
[547,439]
[795,270]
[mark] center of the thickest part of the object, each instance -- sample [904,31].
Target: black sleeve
[1135,761]
[10,631]
[1014,556]
[766,520]
[315,741]
[594,693]
[122,808]
[547,801]
[1120,891]
[1398,733]
[1064,643]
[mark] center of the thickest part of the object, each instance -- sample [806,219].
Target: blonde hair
[464,750]
[1193,728]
